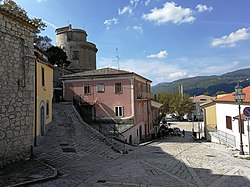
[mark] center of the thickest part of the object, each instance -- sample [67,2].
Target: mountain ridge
[206,84]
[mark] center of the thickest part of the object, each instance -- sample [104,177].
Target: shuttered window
[229,122]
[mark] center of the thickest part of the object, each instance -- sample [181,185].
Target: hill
[202,84]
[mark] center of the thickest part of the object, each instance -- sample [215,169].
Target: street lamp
[239,96]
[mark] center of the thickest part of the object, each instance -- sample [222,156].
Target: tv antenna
[117,58]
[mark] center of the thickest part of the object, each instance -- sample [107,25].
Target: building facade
[197,113]
[80,52]
[17,88]
[227,112]
[115,96]
[43,95]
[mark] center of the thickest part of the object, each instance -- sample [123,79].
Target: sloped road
[83,158]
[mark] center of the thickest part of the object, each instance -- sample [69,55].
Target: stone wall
[16,88]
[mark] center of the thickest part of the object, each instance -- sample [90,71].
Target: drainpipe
[35,98]
[148,104]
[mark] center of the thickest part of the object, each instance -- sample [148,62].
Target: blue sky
[158,39]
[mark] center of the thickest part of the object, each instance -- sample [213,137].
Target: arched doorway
[42,120]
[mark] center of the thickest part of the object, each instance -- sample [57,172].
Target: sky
[159,39]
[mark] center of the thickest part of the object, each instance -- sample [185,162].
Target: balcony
[143,95]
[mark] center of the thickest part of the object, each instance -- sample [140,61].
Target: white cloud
[155,70]
[39,1]
[161,54]
[134,2]
[50,24]
[202,8]
[231,39]
[170,13]
[147,2]
[138,28]
[166,71]
[110,22]
[218,69]
[126,9]
[178,75]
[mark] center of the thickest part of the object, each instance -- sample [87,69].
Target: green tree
[57,56]
[15,9]
[43,42]
[220,92]
[207,94]
[40,41]
[175,103]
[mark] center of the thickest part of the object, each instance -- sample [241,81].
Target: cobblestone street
[84,158]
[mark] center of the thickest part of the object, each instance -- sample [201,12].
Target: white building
[227,112]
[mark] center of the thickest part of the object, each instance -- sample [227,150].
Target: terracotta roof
[230,97]
[42,56]
[99,72]
[104,71]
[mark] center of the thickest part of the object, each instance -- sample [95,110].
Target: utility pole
[117,58]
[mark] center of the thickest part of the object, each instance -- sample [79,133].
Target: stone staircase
[64,114]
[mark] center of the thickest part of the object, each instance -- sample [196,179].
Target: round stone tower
[81,54]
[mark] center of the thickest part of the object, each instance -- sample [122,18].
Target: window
[139,108]
[100,87]
[145,108]
[229,122]
[43,77]
[119,111]
[148,88]
[47,108]
[118,88]
[86,89]
[75,55]
[144,88]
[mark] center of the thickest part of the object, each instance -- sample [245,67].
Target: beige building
[80,52]
[197,101]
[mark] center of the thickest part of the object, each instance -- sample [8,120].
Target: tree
[220,92]
[207,94]
[12,7]
[175,103]
[57,56]
[43,42]
[40,41]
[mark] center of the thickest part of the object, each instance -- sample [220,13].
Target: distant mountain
[202,84]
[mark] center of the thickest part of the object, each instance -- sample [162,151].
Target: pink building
[119,97]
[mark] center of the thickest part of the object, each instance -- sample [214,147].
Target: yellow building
[43,95]
[209,115]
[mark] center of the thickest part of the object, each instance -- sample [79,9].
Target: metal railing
[108,130]
[224,137]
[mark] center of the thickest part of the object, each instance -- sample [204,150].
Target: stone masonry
[16,88]
[80,52]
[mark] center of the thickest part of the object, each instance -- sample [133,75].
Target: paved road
[173,161]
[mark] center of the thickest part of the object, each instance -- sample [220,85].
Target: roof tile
[230,97]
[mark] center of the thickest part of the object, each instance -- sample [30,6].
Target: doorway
[42,120]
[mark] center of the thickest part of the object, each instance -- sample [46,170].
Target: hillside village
[113,107]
